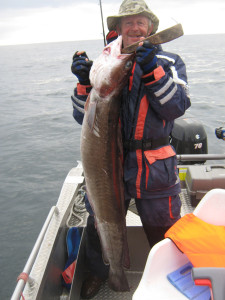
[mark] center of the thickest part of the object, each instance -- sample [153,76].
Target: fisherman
[155,95]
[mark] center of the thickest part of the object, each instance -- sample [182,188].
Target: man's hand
[81,67]
[145,56]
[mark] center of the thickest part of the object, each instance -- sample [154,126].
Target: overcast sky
[35,21]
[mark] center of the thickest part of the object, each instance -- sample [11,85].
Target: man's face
[133,29]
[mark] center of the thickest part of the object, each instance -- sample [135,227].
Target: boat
[41,277]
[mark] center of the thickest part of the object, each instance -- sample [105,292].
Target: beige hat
[130,8]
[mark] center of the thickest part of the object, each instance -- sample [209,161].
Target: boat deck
[106,293]
[52,255]
[133,275]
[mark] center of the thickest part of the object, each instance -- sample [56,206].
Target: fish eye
[128,65]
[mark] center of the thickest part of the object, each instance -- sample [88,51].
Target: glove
[81,67]
[145,57]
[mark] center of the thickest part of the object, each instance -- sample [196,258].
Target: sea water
[40,141]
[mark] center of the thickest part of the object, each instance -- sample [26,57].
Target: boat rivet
[31,281]
[56,211]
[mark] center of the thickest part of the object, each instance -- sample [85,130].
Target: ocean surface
[39,140]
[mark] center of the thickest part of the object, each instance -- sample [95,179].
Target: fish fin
[86,105]
[91,114]
[126,257]
[104,255]
[104,258]
[91,119]
[118,281]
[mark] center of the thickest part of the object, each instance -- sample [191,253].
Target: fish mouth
[111,70]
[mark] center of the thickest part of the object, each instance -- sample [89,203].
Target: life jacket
[111,36]
[73,242]
[203,243]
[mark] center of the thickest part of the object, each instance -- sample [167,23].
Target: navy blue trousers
[157,216]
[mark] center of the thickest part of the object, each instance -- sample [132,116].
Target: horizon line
[93,39]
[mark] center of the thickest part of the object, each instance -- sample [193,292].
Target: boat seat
[165,257]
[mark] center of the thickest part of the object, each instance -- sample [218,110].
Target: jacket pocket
[160,173]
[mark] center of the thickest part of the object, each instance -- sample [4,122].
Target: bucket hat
[130,8]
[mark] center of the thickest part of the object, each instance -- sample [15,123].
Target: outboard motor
[189,137]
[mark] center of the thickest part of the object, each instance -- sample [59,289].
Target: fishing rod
[103,30]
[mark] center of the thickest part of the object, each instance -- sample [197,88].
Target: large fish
[101,150]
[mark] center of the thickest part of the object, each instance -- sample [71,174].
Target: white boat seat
[165,257]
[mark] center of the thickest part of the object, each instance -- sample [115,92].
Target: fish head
[110,71]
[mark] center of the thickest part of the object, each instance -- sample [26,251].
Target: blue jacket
[150,103]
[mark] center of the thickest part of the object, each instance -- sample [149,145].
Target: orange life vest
[203,243]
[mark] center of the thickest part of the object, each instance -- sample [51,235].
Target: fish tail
[118,281]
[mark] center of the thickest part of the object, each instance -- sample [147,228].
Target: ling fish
[101,150]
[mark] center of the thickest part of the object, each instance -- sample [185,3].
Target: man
[156,94]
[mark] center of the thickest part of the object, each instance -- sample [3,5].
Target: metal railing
[21,282]
[199,157]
